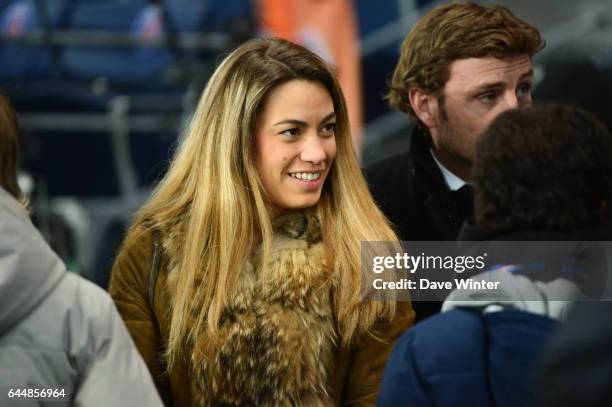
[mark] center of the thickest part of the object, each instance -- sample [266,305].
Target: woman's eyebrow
[293,122]
[328,117]
[296,122]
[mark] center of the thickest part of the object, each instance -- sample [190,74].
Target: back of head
[546,167]
[451,32]
[9,148]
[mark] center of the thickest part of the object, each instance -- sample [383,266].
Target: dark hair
[456,31]
[545,167]
[9,147]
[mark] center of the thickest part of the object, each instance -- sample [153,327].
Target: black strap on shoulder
[154,263]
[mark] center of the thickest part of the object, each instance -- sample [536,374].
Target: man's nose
[511,101]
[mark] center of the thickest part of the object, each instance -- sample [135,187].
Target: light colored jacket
[59,331]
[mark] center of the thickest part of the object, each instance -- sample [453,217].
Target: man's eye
[488,98]
[292,132]
[524,90]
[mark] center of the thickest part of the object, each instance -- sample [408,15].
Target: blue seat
[154,78]
[224,15]
[188,16]
[146,68]
[18,20]
[131,67]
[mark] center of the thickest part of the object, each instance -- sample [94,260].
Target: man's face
[477,90]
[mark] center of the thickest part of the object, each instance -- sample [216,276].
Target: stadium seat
[31,21]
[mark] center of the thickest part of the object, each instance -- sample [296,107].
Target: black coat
[411,191]
[576,368]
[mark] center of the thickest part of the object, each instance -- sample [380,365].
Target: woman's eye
[290,132]
[329,129]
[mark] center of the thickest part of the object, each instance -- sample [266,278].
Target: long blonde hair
[212,194]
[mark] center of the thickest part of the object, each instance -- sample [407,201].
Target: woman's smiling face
[295,144]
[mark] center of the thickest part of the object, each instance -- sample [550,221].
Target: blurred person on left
[61,337]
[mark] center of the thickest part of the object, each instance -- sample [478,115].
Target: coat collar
[420,145]
[302,225]
[279,324]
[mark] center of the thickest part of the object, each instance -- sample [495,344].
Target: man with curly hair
[460,66]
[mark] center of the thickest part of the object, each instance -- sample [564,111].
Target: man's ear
[425,106]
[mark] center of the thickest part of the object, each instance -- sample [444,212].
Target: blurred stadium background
[104,87]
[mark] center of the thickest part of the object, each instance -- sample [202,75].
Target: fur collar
[277,335]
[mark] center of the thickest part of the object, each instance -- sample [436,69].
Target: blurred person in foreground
[576,369]
[240,278]
[58,331]
[542,174]
[460,66]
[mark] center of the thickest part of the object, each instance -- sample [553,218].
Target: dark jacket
[464,357]
[471,232]
[570,250]
[411,191]
[576,369]
[482,350]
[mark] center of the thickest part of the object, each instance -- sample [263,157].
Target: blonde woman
[256,232]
